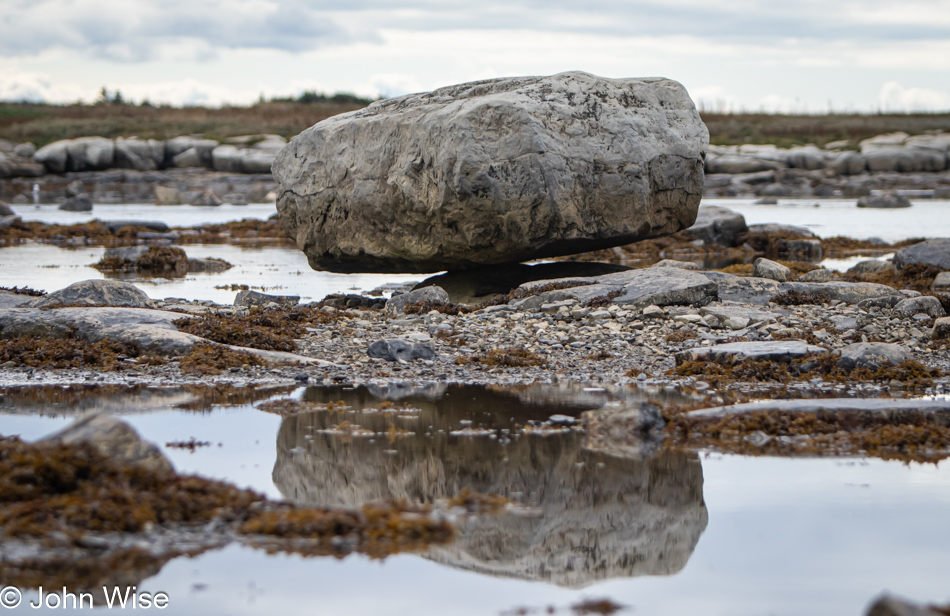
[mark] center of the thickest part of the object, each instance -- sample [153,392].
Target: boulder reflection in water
[598,516]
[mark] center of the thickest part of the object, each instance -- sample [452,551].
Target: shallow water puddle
[678,533]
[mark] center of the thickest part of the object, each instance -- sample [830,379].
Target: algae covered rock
[494,171]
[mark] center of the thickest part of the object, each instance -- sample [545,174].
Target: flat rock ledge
[735,352]
[152,330]
[496,171]
[937,407]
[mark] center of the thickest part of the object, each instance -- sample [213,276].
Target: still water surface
[284,270]
[679,533]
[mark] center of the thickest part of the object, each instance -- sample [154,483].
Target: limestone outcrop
[495,171]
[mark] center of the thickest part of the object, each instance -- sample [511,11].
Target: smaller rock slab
[253,298]
[885,408]
[927,304]
[397,304]
[735,352]
[871,355]
[396,349]
[113,293]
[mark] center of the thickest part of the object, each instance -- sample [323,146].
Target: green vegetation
[790,130]
[113,116]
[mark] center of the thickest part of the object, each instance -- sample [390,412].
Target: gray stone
[474,286]
[886,200]
[941,330]
[125,253]
[188,158]
[744,289]
[764,268]
[660,286]
[737,164]
[888,605]
[805,157]
[166,195]
[932,252]
[6,210]
[927,304]
[778,229]
[207,198]
[53,156]
[496,171]
[395,350]
[687,265]
[888,301]
[871,266]
[718,225]
[79,203]
[936,408]
[74,188]
[850,292]
[253,298]
[843,323]
[631,430]
[819,275]
[941,282]
[25,150]
[8,299]
[96,293]
[153,225]
[208,266]
[201,155]
[871,355]
[719,315]
[735,352]
[435,294]
[90,153]
[113,438]
[133,153]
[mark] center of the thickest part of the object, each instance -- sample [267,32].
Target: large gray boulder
[495,171]
[931,252]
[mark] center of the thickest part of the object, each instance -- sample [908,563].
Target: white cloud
[35,87]
[896,97]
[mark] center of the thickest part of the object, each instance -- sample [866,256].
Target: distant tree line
[311,97]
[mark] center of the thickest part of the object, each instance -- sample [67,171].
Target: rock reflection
[598,516]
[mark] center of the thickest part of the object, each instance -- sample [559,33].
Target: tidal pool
[682,532]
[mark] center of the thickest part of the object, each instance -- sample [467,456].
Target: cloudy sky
[801,56]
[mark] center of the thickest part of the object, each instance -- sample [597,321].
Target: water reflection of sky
[926,218]
[284,270]
[784,536]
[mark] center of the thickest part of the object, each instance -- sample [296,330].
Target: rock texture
[718,225]
[887,200]
[932,252]
[495,171]
[96,293]
[733,352]
[871,355]
[114,438]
